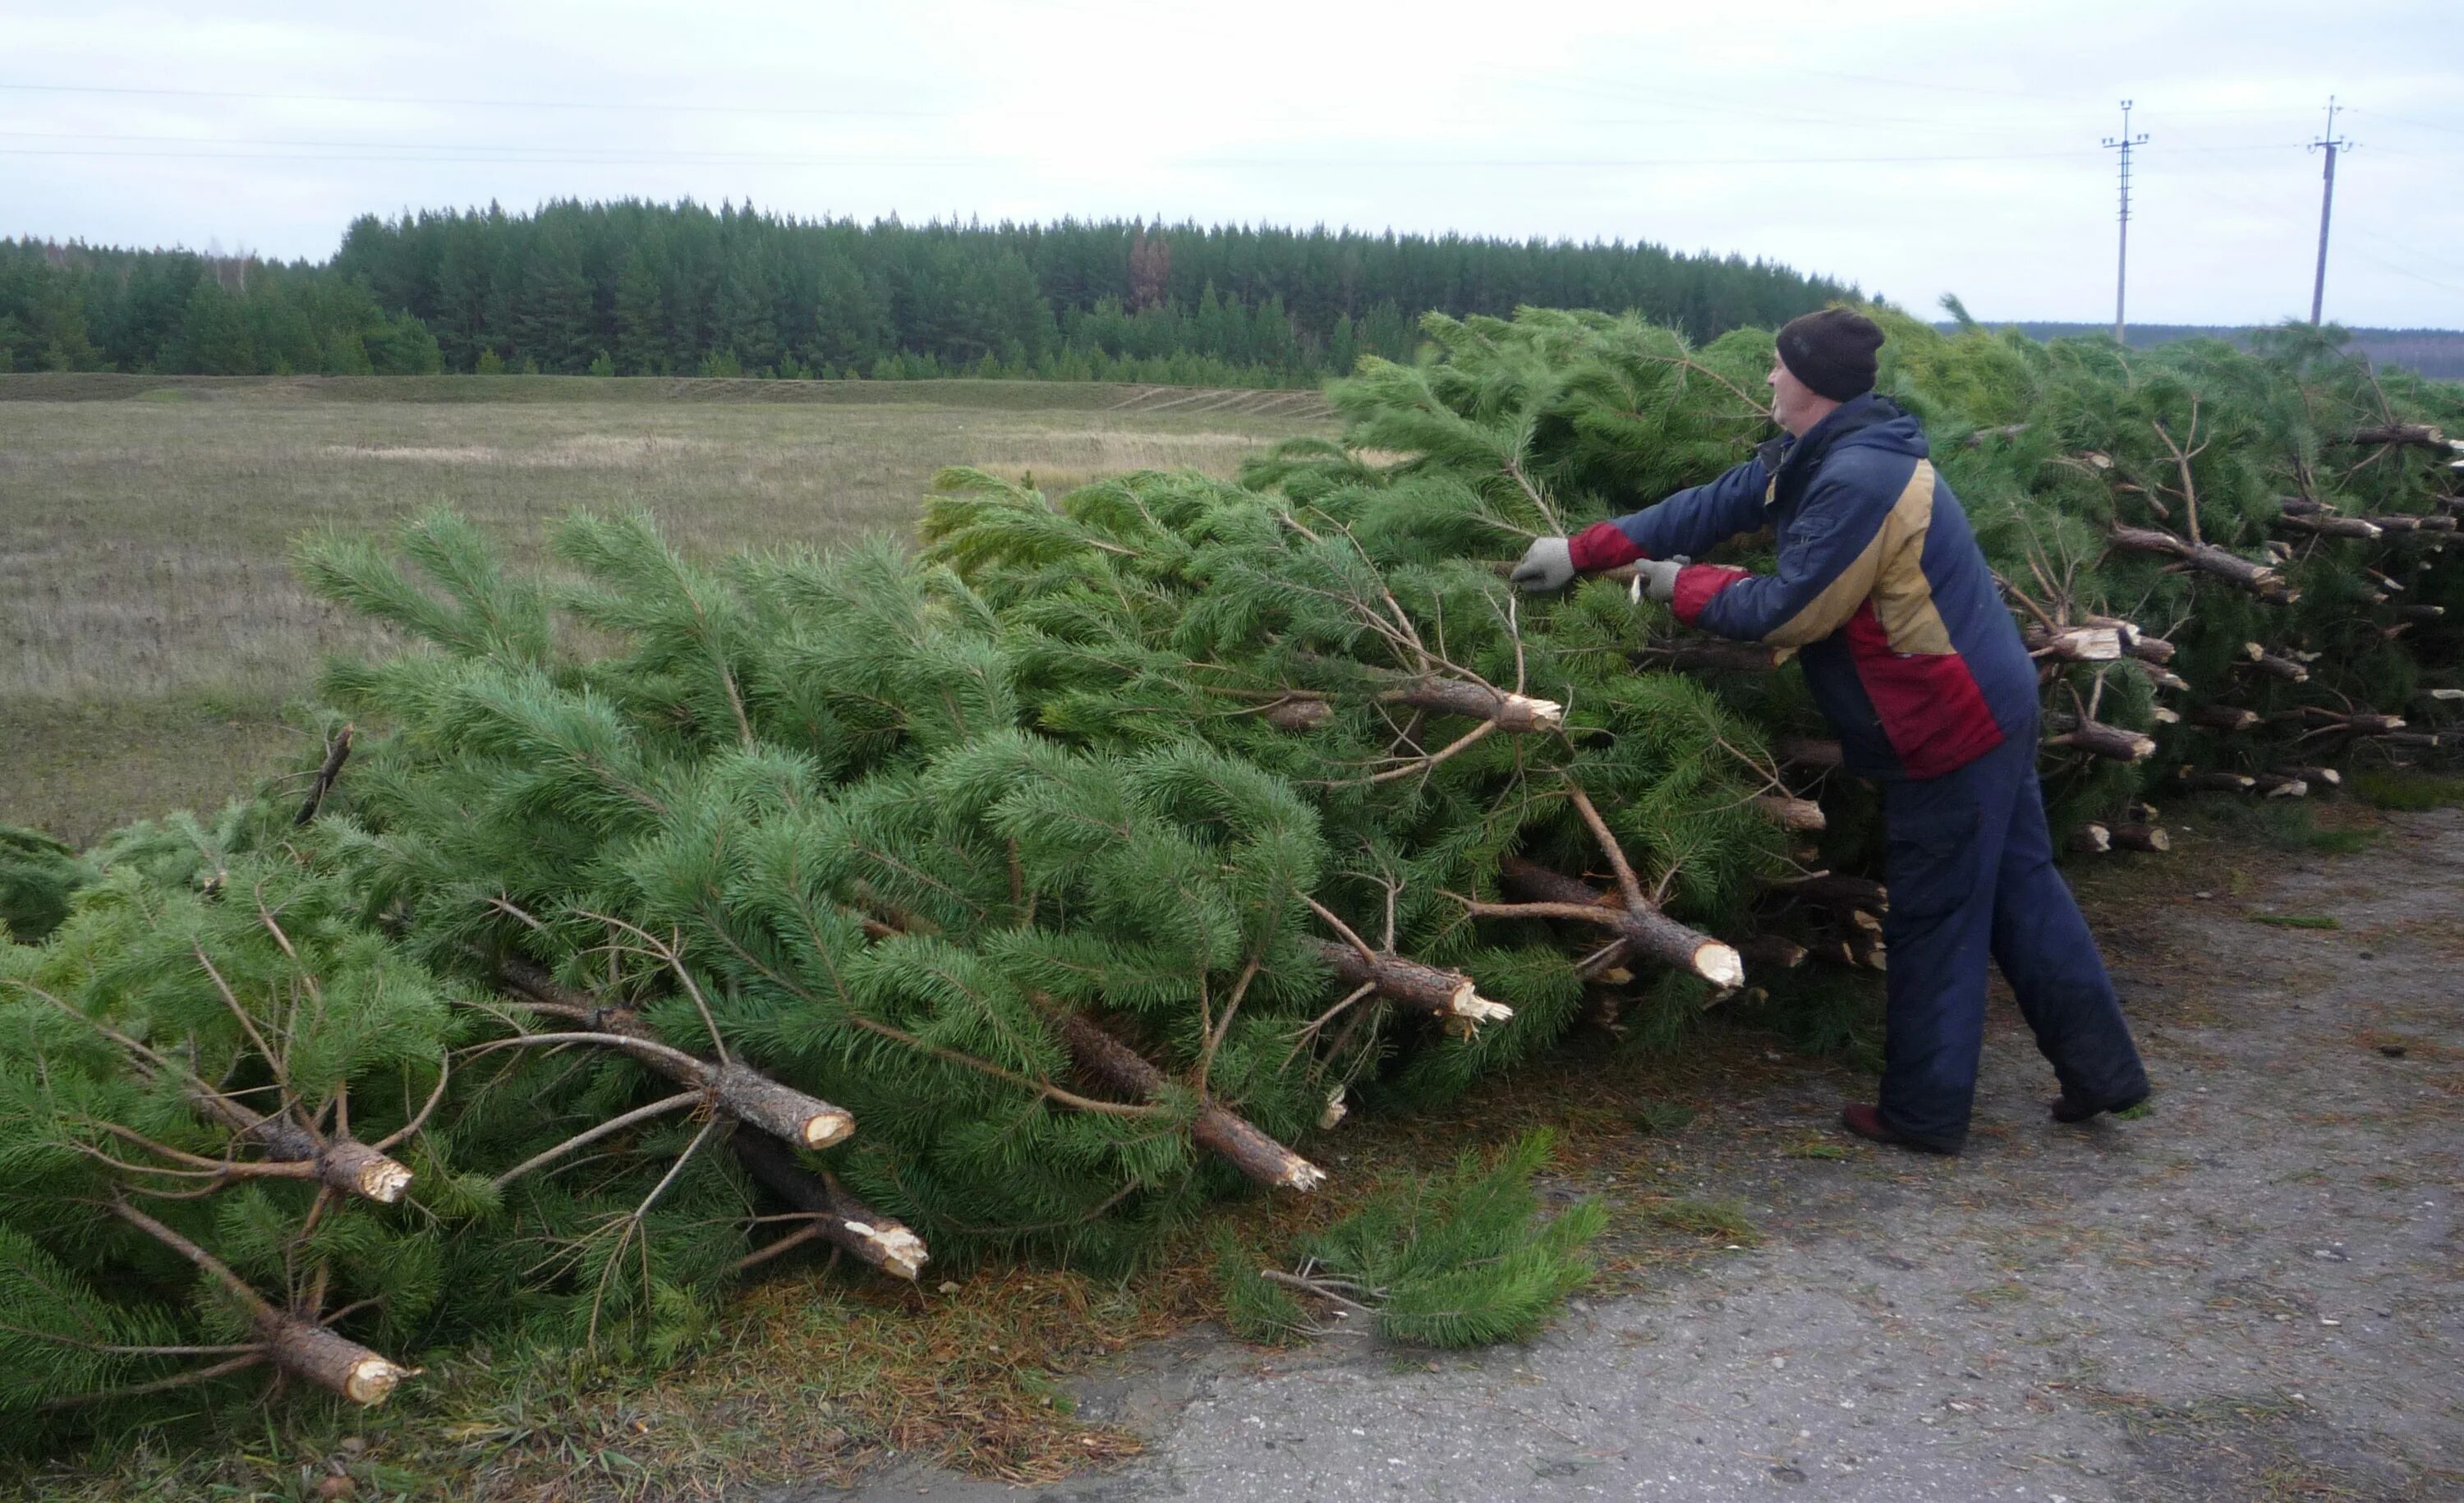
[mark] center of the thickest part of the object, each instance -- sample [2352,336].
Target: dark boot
[1866,1122]
[2068,1108]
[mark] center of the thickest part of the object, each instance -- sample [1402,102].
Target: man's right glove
[1548,567]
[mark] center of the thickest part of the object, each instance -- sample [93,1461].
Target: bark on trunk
[2326,526]
[1298,712]
[1771,952]
[2419,435]
[2417,614]
[1802,815]
[309,1351]
[737,1090]
[2091,840]
[1840,893]
[2317,777]
[840,1217]
[1512,711]
[2279,786]
[2259,660]
[326,772]
[1120,1068]
[1426,989]
[2219,781]
[2098,739]
[1711,655]
[2136,643]
[2257,578]
[2223,717]
[2142,837]
[345,1164]
[2075,644]
[1649,933]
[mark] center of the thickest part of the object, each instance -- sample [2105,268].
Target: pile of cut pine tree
[650,917]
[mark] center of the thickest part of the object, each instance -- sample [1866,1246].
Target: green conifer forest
[650,289]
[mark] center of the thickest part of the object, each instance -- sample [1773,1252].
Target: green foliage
[1455,1259]
[38,874]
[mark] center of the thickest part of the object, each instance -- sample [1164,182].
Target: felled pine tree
[1481,776]
[795,825]
[211,1104]
[2143,509]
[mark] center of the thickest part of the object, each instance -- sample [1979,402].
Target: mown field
[151,631]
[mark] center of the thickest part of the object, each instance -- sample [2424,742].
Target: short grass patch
[2407,788]
[1725,1220]
[2295,921]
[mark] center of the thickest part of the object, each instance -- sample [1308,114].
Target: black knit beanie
[1831,352]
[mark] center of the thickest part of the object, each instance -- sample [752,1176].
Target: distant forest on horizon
[633,288]
[2435,353]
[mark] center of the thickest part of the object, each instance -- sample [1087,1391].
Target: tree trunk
[1802,815]
[1120,1068]
[2223,717]
[2100,739]
[1648,933]
[2074,644]
[2142,837]
[2419,435]
[326,772]
[345,1164]
[1772,952]
[309,1351]
[2219,781]
[1298,712]
[2257,578]
[2091,840]
[1423,987]
[2262,661]
[737,1090]
[2326,526]
[840,1217]
[1712,655]
[1512,711]
[1840,893]
[2278,786]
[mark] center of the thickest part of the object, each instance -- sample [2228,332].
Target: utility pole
[2332,144]
[2121,264]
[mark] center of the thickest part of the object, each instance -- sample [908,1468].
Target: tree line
[634,288]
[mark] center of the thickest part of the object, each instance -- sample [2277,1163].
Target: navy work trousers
[1970,871]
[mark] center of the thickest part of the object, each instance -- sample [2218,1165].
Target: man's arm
[1693,520]
[1826,570]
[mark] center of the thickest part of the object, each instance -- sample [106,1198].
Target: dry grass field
[149,627]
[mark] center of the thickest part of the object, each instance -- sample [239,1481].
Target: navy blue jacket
[1880,588]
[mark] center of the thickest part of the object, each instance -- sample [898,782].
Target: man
[1910,655]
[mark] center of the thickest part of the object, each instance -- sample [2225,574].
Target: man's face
[1796,406]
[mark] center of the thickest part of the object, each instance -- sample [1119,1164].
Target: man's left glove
[1656,579]
[1548,567]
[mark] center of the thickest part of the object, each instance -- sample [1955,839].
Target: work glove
[1548,567]
[1656,579]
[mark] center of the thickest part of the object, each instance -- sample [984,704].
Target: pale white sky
[1912,147]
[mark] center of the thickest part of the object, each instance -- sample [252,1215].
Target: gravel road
[2256,1292]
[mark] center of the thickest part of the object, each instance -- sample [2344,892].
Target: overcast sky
[1912,147]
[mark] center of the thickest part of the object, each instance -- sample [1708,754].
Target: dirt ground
[2254,1293]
